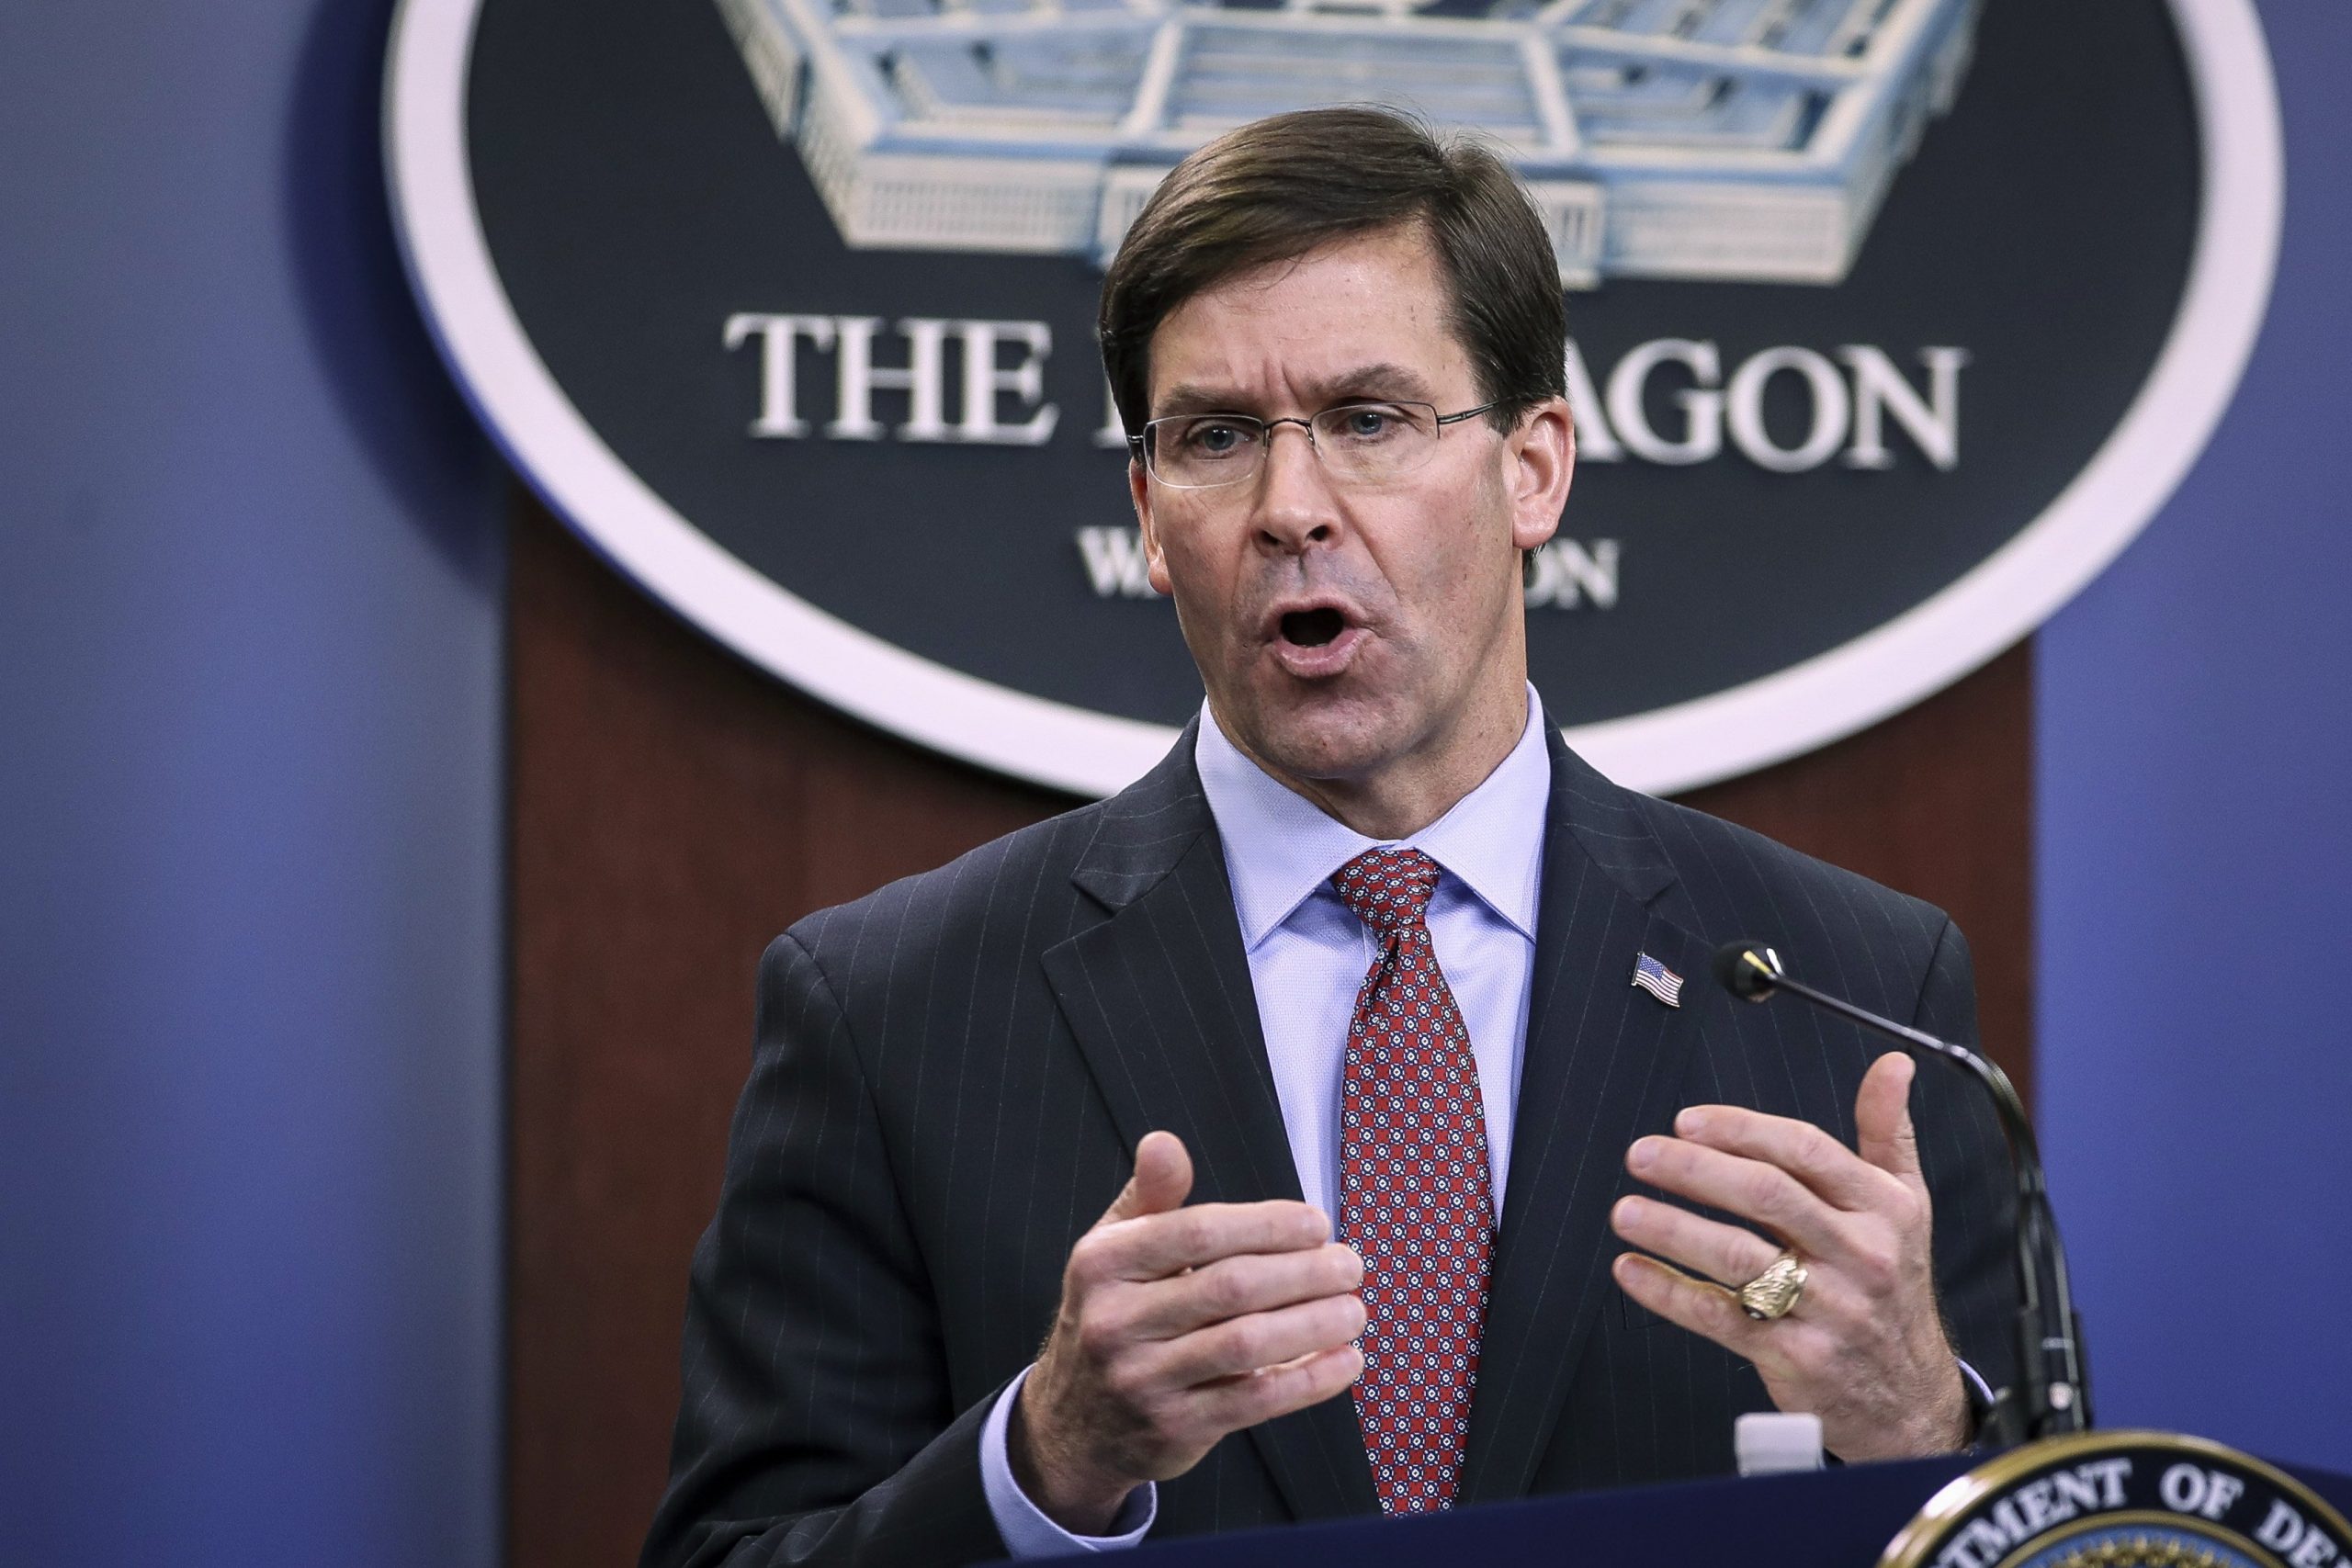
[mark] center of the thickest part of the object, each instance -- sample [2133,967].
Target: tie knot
[1388,890]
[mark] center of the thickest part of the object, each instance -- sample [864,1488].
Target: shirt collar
[1281,847]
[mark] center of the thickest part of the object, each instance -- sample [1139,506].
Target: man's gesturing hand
[1865,1348]
[1177,1326]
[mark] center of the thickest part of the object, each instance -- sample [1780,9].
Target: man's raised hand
[1864,1347]
[1177,1325]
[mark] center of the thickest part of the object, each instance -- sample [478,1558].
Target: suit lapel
[1160,998]
[1604,1064]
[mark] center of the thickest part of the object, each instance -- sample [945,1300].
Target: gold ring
[1774,1292]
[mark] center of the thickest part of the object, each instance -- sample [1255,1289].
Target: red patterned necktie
[1414,1192]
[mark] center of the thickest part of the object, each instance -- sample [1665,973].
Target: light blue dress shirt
[1308,959]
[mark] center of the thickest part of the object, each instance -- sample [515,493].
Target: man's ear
[1155,559]
[1542,462]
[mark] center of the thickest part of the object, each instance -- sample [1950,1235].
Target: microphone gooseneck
[2053,1392]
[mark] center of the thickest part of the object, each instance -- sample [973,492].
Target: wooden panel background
[672,810]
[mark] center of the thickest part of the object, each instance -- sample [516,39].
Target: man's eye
[1370,423]
[1214,438]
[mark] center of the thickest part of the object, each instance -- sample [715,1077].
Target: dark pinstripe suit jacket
[951,1073]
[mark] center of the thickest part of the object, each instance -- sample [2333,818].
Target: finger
[1232,1404]
[1154,1246]
[1726,1254]
[1258,1340]
[1882,1118]
[1838,1175]
[1752,1190]
[1237,1286]
[1162,1179]
[1709,1311]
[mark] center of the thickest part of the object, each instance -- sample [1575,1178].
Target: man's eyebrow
[1382,380]
[1188,398]
[1375,381]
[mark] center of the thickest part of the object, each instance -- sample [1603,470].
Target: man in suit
[1320,1126]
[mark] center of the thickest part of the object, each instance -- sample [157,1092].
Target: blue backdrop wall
[2194,770]
[249,797]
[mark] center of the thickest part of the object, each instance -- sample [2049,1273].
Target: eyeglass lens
[1365,443]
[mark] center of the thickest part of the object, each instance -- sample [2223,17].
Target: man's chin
[1321,732]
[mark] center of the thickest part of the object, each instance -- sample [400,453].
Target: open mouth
[1313,628]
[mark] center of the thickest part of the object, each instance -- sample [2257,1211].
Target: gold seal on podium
[2125,1499]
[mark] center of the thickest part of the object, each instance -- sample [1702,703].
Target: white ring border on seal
[1720,736]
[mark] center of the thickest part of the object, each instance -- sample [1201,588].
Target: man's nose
[1295,506]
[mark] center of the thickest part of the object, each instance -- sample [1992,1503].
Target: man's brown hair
[1276,189]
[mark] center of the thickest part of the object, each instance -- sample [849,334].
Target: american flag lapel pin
[1658,980]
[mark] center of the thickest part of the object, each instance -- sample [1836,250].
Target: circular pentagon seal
[2125,1499]
[1893,321]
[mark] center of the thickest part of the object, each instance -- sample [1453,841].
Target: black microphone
[2052,1394]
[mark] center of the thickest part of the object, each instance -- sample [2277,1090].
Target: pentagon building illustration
[1749,139]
